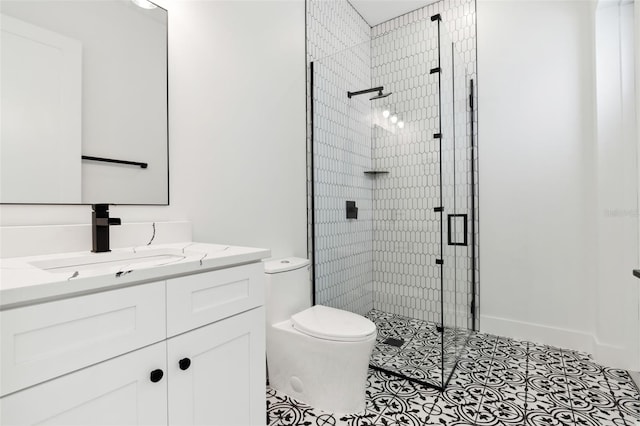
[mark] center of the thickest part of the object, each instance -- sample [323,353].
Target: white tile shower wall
[406,229]
[338,42]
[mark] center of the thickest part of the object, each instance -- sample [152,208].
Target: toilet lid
[328,323]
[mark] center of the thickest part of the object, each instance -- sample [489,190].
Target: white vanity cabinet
[183,351]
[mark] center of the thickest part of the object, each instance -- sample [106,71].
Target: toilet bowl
[318,355]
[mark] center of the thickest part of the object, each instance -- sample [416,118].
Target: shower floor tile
[498,381]
[414,348]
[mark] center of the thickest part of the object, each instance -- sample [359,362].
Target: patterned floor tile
[512,352]
[585,419]
[500,413]
[368,419]
[554,416]
[577,355]
[620,379]
[497,381]
[630,409]
[285,411]
[410,411]
[457,406]
[422,351]
[483,343]
[506,400]
[418,394]
[400,419]
[596,404]
[625,393]
[547,361]
[585,371]
[548,392]
[501,405]
[380,386]
[419,400]
[462,378]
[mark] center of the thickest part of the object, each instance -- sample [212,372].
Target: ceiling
[378,11]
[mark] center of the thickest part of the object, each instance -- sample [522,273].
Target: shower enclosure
[393,195]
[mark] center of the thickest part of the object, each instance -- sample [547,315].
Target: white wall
[539,156]
[535,151]
[236,128]
[238,71]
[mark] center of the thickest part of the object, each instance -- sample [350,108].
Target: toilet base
[328,375]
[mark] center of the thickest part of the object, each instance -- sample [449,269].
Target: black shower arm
[362,92]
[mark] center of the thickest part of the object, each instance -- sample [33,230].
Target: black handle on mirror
[156,375]
[184,363]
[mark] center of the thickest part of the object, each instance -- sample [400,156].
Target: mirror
[83,78]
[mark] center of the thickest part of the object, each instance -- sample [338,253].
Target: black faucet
[100,222]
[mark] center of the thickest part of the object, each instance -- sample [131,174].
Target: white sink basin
[112,260]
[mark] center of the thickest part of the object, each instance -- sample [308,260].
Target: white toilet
[318,355]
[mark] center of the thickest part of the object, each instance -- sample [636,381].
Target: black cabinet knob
[156,375]
[184,363]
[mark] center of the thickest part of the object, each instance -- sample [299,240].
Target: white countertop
[23,283]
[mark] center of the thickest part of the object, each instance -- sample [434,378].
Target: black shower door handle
[451,238]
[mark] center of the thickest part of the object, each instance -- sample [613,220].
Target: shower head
[380,95]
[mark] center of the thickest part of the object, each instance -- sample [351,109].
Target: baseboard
[635,375]
[604,354]
[537,333]
[614,356]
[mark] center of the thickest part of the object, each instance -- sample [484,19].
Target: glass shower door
[456,196]
[390,195]
[341,156]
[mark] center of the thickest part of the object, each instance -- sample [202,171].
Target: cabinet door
[225,381]
[115,392]
[44,341]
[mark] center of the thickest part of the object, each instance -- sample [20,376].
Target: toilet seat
[328,323]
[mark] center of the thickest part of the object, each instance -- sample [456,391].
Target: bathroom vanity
[168,334]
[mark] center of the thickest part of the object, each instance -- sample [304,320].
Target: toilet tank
[288,287]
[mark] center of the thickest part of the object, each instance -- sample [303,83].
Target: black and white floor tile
[420,356]
[497,381]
